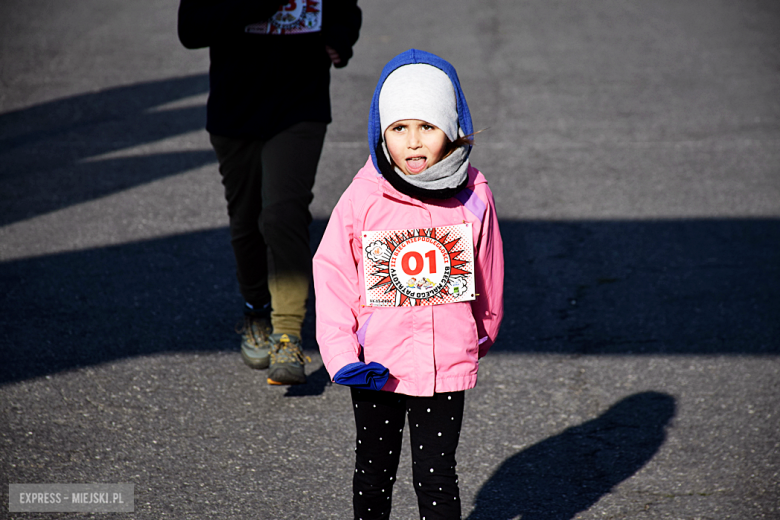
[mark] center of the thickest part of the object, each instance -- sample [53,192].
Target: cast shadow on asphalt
[566,474]
[699,287]
[53,154]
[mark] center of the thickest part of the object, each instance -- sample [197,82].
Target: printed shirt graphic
[418,266]
[294,17]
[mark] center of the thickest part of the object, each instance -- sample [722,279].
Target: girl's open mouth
[416,164]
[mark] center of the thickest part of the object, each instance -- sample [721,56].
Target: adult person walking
[267,113]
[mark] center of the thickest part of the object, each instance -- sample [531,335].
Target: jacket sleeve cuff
[339,361]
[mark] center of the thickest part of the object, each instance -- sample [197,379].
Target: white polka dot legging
[434,425]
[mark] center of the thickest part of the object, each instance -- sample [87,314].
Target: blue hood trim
[407,58]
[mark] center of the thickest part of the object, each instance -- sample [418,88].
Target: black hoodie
[261,84]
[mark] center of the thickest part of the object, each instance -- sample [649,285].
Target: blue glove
[372,376]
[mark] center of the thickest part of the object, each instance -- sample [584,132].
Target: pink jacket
[428,349]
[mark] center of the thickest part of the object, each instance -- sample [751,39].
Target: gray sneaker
[254,341]
[287,360]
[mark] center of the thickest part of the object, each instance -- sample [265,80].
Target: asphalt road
[634,150]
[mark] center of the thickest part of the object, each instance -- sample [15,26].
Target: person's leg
[379,420]
[240,164]
[434,425]
[289,166]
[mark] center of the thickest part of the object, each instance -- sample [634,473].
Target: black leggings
[434,425]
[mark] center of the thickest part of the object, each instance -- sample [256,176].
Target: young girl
[409,284]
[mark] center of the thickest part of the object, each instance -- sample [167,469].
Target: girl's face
[415,145]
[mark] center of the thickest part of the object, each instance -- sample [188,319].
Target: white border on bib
[418,266]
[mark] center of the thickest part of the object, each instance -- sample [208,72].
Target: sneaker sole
[272,382]
[256,363]
[283,377]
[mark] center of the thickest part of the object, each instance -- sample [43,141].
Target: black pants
[434,425]
[268,187]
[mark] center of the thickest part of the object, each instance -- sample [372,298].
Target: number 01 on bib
[418,266]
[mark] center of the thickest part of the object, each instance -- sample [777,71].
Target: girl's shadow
[568,473]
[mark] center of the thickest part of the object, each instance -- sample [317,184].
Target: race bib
[294,17]
[418,266]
